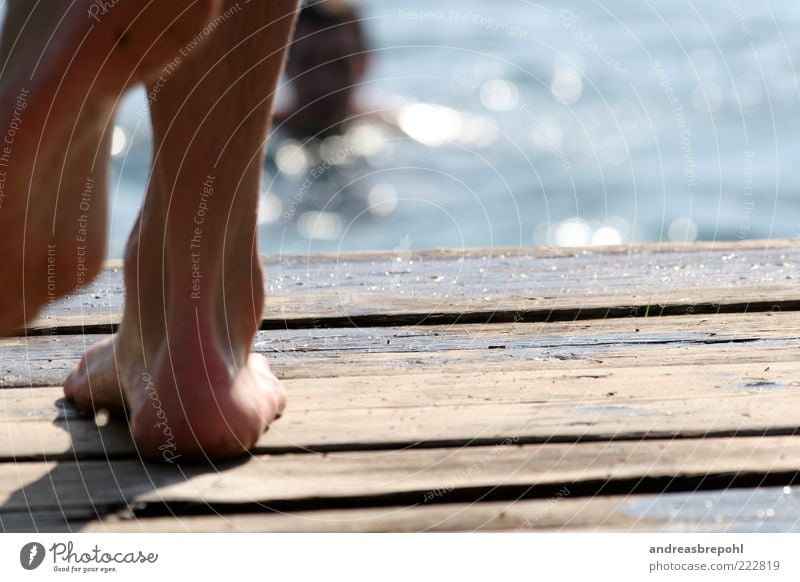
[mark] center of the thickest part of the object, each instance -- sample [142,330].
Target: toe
[76,384]
[93,383]
[269,385]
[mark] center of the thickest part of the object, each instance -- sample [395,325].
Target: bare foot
[64,68]
[180,365]
[206,408]
[180,368]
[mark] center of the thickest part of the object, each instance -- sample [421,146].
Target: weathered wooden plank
[399,478]
[501,284]
[320,353]
[766,509]
[468,404]
[584,391]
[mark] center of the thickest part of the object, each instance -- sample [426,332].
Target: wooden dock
[646,388]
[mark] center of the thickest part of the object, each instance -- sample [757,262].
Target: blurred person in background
[327,61]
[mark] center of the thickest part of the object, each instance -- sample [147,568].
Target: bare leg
[181,361]
[63,68]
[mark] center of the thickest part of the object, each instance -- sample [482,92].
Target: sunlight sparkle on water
[382,199]
[118,141]
[499,95]
[320,225]
[682,230]
[269,208]
[607,235]
[292,158]
[429,124]
[366,139]
[566,86]
[574,232]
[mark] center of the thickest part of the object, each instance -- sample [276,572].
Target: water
[565,123]
[766,509]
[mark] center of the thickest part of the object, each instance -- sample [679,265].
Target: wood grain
[458,409]
[766,509]
[409,413]
[322,353]
[398,478]
[763,509]
[491,285]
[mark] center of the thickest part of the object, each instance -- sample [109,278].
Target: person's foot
[180,368]
[180,365]
[63,71]
[209,407]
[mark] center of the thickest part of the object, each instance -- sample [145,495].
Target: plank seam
[471,317]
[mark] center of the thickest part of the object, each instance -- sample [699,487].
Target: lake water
[531,123]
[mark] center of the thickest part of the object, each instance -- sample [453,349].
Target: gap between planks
[321,353]
[491,285]
[470,407]
[461,397]
[766,509]
[411,478]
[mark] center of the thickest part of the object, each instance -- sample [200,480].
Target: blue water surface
[532,123]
